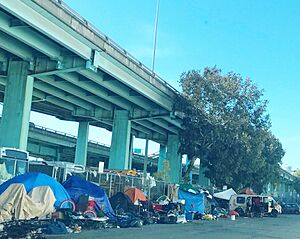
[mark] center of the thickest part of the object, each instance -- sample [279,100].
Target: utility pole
[155,33]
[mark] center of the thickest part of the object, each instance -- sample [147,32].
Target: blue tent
[77,187]
[193,202]
[33,180]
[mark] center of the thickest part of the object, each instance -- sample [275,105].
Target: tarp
[120,202]
[77,187]
[189,188]
[135,195]
[193,202]
[247,191]
[15,201]
[225,194]
[33,180]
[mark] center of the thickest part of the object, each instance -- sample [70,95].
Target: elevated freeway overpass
[54,62]
[53,145]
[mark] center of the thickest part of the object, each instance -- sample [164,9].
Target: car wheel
[274,213]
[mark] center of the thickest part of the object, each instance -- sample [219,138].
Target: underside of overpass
[54,62]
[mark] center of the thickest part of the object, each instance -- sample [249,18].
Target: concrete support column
[203,181]
[119,150]
[14,124]
[146,159]
[162,157]
[130,152]
[174,158]
[186,167]
[82,143]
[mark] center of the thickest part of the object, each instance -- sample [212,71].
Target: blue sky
[258,39]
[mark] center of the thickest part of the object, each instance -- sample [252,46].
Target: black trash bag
[56,228]
[129,220]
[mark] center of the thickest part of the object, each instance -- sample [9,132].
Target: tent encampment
[225,195]
[194,203]
[135,195]
[33,180]
[77,186]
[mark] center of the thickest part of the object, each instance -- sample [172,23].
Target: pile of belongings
[209,217]
[30,195]
[168,211]
[88,196]
[27,203]
[92,207]
[132,208]
[222,198]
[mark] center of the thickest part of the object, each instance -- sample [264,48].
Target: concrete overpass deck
[81,74]
[55,62]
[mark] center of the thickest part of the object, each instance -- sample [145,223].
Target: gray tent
[225,195]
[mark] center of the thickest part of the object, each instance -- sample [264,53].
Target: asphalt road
[284,226]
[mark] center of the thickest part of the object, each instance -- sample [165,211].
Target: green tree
[227,127]
[297,180]
[297,172]
[297,185]
[164,173]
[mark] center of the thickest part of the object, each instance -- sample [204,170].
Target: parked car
[290,208]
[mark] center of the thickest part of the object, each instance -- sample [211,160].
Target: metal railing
[113,183]
[110,182]
[65,134]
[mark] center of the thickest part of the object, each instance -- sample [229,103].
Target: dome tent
[33,180]
[76,187]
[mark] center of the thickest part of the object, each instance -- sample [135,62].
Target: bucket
[232,217]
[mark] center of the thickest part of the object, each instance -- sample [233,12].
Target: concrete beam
[152,127]
[146,89]
[47,27]
[95,89]
[63,95]
[116,87]
[46,97]
[29,37]
[16,47]
[67,63]
[77,91]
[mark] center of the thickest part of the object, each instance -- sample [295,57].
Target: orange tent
[135,195]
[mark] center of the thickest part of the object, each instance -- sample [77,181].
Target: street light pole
[155,33]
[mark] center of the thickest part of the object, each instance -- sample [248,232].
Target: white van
[57,169]
[241,203]
[13,153]
[13,162]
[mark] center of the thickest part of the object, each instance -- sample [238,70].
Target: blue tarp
[77,187]
[193,202]
[33,180]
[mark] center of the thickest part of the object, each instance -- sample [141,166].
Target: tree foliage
[297,185]
[297,181]
[164,174]
[227,127]
[297,172]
